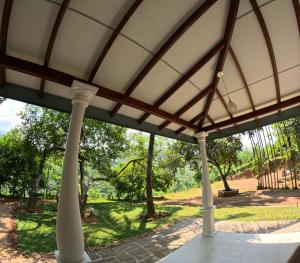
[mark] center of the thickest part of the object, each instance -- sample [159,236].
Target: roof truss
[165,47]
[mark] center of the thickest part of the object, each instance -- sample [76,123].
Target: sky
[9,118]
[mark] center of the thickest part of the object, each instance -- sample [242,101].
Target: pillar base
[208,224]
[86,258]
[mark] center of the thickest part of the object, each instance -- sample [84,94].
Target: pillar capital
[82,92]
[201,136]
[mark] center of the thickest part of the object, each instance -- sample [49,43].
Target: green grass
[116,220]
[119,220]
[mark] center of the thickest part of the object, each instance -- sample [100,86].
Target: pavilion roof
[156,62]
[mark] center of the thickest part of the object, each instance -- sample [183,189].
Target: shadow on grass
[116,220]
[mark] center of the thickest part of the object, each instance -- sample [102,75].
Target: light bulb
[232,107]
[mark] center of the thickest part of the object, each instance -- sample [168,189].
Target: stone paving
[158,245]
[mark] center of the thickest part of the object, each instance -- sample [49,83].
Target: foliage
[223,154]
[130,178]
[17,162]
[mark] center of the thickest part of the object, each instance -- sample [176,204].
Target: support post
[69,233]
[208,228]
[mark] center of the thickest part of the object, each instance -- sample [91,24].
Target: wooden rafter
[266,34]
[233,9]
[194,69]
[113,37]
[238,66]
[62,78]
[165,47]
[188,105]
[297,12]
[253,114]
[57,23]
[3,35]
[67,80]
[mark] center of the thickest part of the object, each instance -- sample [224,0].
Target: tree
[100,145]
[46,129]
[149,195]
[17,162]
[223,154]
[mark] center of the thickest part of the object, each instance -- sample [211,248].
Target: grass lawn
[119,220]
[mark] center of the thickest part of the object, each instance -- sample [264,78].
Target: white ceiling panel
[154,21]
[108,12]
[250,48]
[180,98]
[290,81]
[22,79]
[78,44]
[194,111]
[197,41]
[282,24]
[155,120]
[263,91]
[122,63]
[30,27]
[204,76]
[130,112]
[157,81]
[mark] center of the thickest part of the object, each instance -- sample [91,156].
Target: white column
[208,228]
[69,234]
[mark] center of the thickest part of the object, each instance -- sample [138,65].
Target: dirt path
[250,198]
[8,253]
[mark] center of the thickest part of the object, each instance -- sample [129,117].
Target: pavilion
[153,66]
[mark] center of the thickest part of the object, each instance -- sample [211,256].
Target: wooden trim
[232,14]
[165,47]
[57,23]
[3,35]
[201,62]
[266,34]
[297,12]
[253,114]
[67,80]
[188,105]
[113,37]
[238,66]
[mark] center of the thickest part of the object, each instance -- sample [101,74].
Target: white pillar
[208,228]
[69,234]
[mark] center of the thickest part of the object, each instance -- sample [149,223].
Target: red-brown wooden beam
[266,34]
[188,105]
[165,47]
[250,115]
[62,78]
[3,35]
[297,12]
[242,75]
[194,69]
[67,80]
[113,37]
[232,14]
[57,23]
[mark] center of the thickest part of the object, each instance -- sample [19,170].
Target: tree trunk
[83,195]
[223,176]
[149,195]
[32,200]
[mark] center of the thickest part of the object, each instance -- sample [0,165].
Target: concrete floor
[237,248]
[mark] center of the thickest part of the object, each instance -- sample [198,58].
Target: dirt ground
[248,196]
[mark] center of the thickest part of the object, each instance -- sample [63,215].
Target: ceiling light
[231,106]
